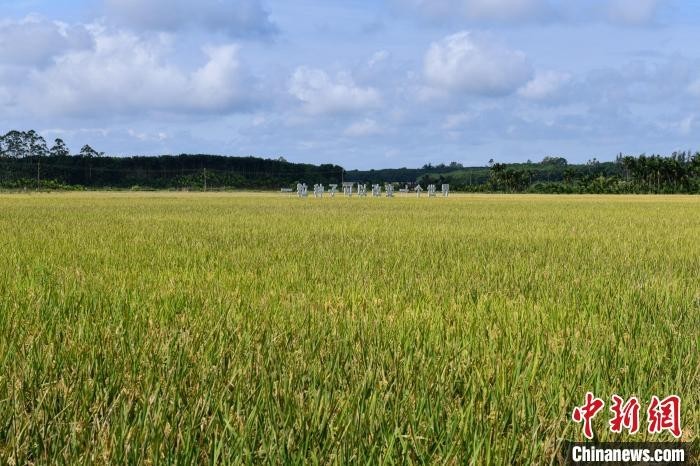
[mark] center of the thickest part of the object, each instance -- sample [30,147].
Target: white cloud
[238,18]
[127,74]
[545,85]
[473,64]
[366,127]
[321,94]
[218,82]
[34,41]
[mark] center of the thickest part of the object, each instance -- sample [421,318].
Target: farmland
[220,328]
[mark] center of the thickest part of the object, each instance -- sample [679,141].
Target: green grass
[217,328]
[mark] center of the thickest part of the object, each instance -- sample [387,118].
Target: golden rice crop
[219,328]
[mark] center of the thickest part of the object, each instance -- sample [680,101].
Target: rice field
[168,328]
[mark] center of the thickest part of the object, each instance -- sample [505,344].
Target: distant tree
[560,161]
[569,175]
[59,149]
[3,146]
[499,167]
[36,144]
[88,152]
[497,172]
[15,145]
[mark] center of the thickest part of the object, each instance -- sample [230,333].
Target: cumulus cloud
[128,74]
[322,94]
[474,64]
[545,85]
[238,18]
[35,41]
[218,83]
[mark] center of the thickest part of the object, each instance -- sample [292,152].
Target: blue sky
[365,84]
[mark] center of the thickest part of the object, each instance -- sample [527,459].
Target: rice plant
[235,329]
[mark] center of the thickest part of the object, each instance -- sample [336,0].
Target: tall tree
[15,144]
[88,152]
[59,149]
[37,144]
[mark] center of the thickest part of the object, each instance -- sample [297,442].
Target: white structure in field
[347,189]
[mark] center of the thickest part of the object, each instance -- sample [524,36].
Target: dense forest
[677,173]
[27,162]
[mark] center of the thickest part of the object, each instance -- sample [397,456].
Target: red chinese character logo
[665,415]
[626,415]
[587,412]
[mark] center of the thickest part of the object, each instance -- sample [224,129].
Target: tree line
[22,144]
[27,161]
[643,174]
